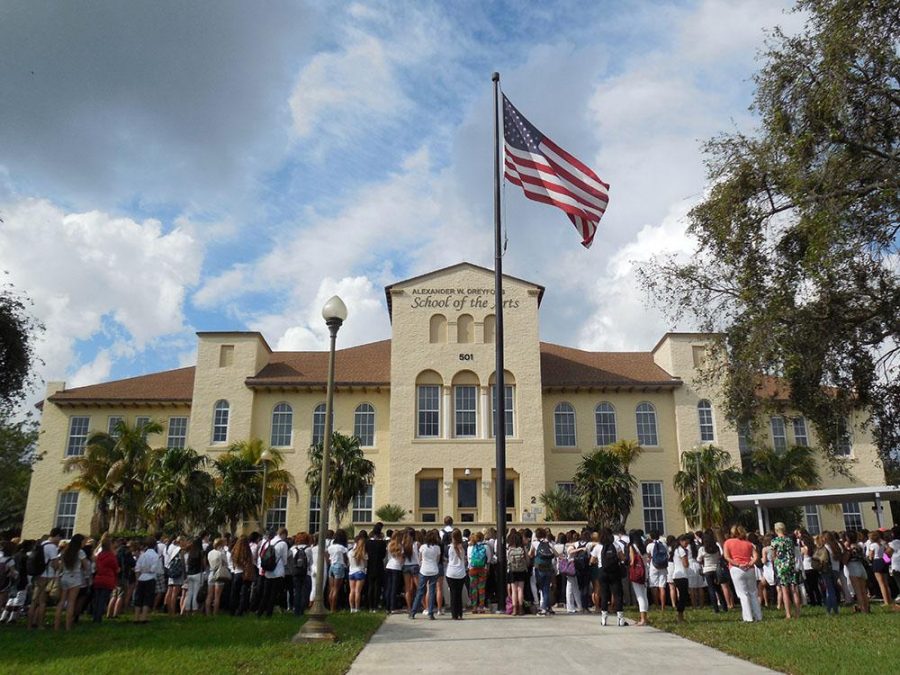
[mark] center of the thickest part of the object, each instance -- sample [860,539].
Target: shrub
[390,513]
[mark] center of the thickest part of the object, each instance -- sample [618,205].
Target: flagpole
[499,379]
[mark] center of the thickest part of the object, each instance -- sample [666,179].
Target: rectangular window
[429,410]
[466,401]
[112,425]
[508,409]
[745,444]
[567,486]
[779,437]
[220,424]
[844,439]
[813,524]
[429,517]
[605,421]
[645,418]
[800,437]
[315,513]
[652,502]
[853,519]
[362,506]
[564,426]
[66,507]
[177,437]
[467,493]
[364,425]
[707,429]
[276,516]
[141,422]
[428,499]
[78,433]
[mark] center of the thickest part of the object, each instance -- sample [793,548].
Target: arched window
[564,425]
[705,416]
[490,328]
[282,426]
[364,424]
[220,422]
[646,424]
[605,419]
[318,424]
[465,329]
[437,332]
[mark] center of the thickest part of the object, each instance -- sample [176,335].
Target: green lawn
[220,645]
[816,643]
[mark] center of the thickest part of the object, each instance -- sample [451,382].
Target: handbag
[637,570]
[567,567]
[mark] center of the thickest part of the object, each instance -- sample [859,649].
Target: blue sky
[170,167]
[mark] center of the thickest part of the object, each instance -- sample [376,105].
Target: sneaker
[603,618]
[622,621]
[542,612]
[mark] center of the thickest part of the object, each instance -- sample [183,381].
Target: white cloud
[94,275]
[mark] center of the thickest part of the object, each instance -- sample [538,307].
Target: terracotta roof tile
[567,367]
[169,385]
[366,364]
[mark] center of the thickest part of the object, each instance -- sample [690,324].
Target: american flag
[549,174]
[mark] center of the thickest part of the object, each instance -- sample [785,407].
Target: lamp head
[467,472]
[334,310]
[266,455]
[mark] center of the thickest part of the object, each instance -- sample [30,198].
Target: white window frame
[509,411]
[221,422]
[276,515]
[364,424]
[66,512]
[779,435]
[850,514]
[844,444]
[745,440]
[564,417]
[177,440]
[603,413]
[646,423]
[79,429]
[428,419]
[811,511]
[282,426]
[363,505]
[465,419]
[706,421]
[314,514]
[318,424]
[141,421]
[661,508]
[801,437]
[111,423]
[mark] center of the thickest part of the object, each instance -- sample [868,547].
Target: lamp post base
[316,629]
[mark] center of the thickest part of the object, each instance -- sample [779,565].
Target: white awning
[770,500]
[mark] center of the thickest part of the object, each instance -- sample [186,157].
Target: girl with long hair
[393,571]
[709,556]
[74,571]
[829,552]
[637,572]
[410,566]
[358,562]
[429,567]
[106,573]
[337,567]
[195,563]
[241,576]
[455,572]
[853,561]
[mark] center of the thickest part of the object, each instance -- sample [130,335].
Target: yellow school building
[421,404]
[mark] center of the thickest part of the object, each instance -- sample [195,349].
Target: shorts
[161,584]
[337,571]
[411,570]
[516,577]
[145,593]
[879,566]
[856,569]
[441,569]
[358,576]
[67,581]
[657,578]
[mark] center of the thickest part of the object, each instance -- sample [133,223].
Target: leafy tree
[561,505]
[390,513]
[239,482]
[179,490]
[787,471]
[717,480]
[18,330]
[798,237]
[605,488]
[349,473]
[18,441]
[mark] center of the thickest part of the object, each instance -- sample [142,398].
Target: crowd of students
[411,571]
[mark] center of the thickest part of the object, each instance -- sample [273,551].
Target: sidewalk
[531,644]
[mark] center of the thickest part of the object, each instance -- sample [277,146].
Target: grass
[816,643]
[220,645]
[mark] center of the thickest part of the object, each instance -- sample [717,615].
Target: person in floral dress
[786,577]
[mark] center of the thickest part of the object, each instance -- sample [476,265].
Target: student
[875,556]
[358,563]
[430,554]
[42,574]
[146,568]
[785,563]
[767,579]
[829,553]
[637,572]
[543,555]
[893,550]
[810,573]
[853,563]
[516,572]
[376,551]
[609,555]
[742,557]
[218,574]
[682,560]
[456,572]
[477,555]
[410,566]
[709,555]
[573,548]
[337,567]
[174,563]
[273,582]
[74,570]
[106,574]
[393,571]
[195,564]
[243,571]
[657,578]
[18,591]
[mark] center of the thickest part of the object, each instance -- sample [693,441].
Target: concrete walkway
[531,644]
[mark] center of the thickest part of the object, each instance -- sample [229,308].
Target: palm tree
[93,477]
[349,473]
[561,505]
[627,451]
[718,479]
[179,488]
[605,488]
[239,482]
[789,470]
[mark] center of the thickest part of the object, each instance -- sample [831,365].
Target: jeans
[99,603]
[272,592]
[831,600]
[716,595]
[394,578]
[302,584]
[745,589]
[420,593]
[543,583]
[456,591]
[237,602]
[194,582]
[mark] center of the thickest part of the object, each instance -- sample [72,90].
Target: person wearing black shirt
[376,550]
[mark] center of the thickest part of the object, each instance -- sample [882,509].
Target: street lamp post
[316,628]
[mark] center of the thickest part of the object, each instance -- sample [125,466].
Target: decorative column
[485,412]
[446,430]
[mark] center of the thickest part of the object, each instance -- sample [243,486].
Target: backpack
[660,556]
[567,567]
[515,559]
[36,563]
[637,571]
[543,557]
[610,559]
[176,566]
[478,556]
[582,561]
[821,561]
[301,562]
[268,561]
[722,573]
[7,573]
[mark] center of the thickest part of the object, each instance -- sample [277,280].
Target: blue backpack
[660,555]
[478,556]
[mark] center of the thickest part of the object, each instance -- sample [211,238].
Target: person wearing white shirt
[273,583]
[39,595]
[709,555]
[147,567]
[893,550]
[609,553]
[682,560]
[337,567]
[357,561]
[875,554]
[429,561]
[173,591]
[302,554]
[456,572]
